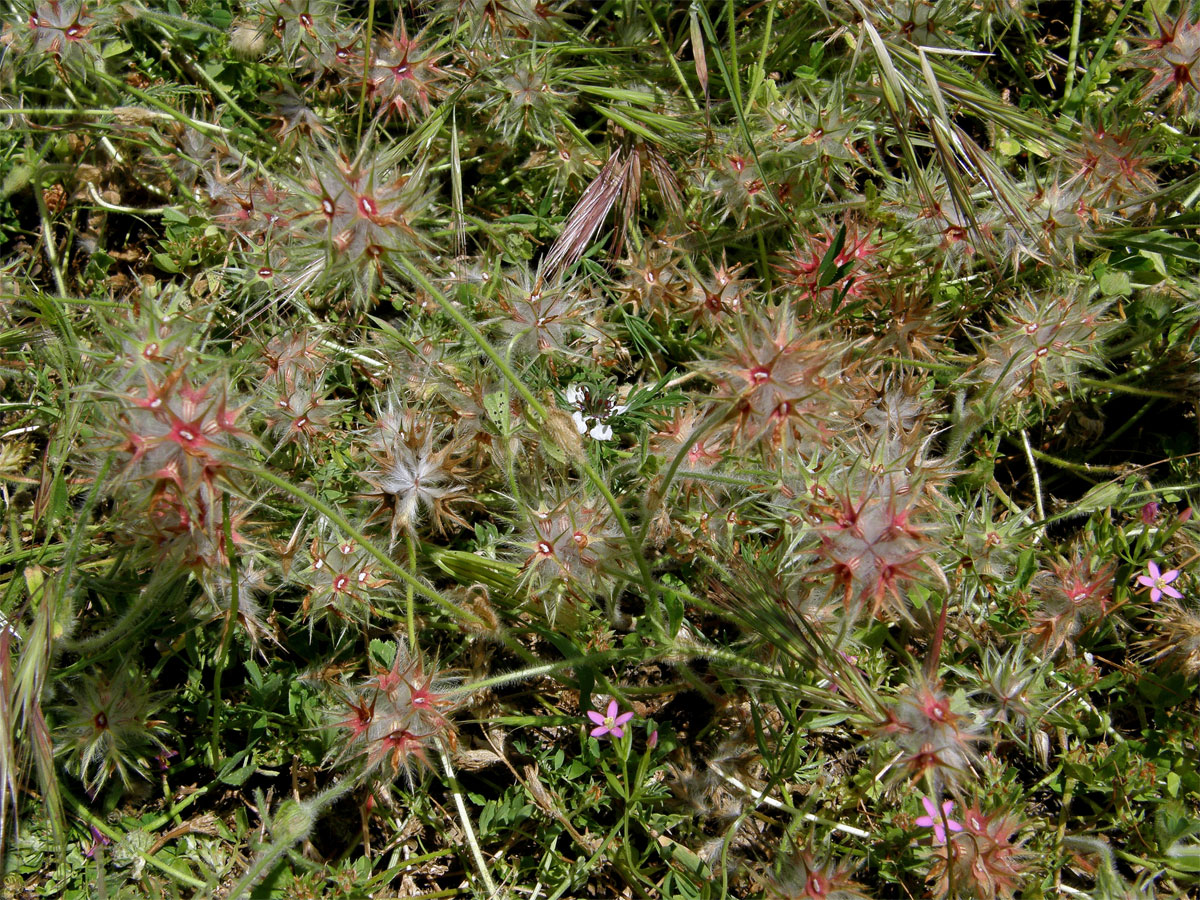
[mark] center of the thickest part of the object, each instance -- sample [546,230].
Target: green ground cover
[486,448]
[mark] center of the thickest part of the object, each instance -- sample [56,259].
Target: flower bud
[562,432]
[247,42]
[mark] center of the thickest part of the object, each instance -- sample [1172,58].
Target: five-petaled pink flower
[610,723]
[1159,582]
[934,821]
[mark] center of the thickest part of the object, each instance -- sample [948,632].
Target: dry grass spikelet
[1176,641]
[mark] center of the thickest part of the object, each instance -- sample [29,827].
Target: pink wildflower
[610,723]
[934,820]
[1159,582]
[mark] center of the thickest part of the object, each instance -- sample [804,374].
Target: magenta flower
[99,839]
[1159,582]
[934,821]
[610,723]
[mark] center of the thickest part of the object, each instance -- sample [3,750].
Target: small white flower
[591,414]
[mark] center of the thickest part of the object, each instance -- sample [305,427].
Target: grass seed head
[68,32]
[342,580]
[404,77]
[781,386]
[398,715]
[419,470]
[109,730]
[984,860]
[1170,55]
[935,738]
[1174,639]
[1073,595]
[802,877]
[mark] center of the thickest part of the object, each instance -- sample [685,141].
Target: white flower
[591,414]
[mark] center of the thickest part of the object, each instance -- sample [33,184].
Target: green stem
[179,807]
[733,54]
[171,112]
[543,416]
[82,516]
[1120,430]
[670,55]
[1081,468]
[764,264]
[386,561]
[126,623]
[63,111]
[510,461]
[465,819]
[1101,52]
[694,438]
[197,72]
[293,822]
[1037,480]
[227,632]
[623,746]
[593,659]
[410,596]
[1119,388]
[760,67]
[362,94]
[104,828]
[1008,501]
[922,364]
[51,248]
[569,123]
[1073,53]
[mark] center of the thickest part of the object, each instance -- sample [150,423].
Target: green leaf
[496,406]
[1188,858]
[17,179]
[1173,782]
[613,781]
[115,48]
[586,676]
[674,606]
[919,596]
[1008,147]
[1158,243]
[233,774]
[485,818]
[1115,283]
[383,652]
[164,262]
[59,498]
[1082,773]
[829,271]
